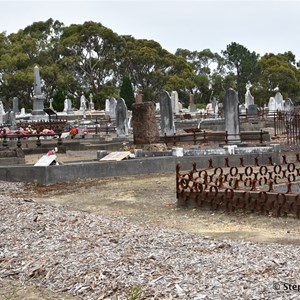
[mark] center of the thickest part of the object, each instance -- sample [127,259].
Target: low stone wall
[85,170]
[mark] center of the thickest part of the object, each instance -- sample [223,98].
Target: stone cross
[231,115]
[51,104]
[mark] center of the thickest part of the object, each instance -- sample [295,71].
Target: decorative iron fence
[269,189]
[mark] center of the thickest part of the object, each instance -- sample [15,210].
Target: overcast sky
[261,26]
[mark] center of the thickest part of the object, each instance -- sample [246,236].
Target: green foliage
[245,65]
[126,92]
[89,58]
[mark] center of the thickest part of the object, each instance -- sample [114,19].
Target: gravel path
[94,256]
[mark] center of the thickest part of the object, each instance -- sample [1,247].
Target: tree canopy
[90,58]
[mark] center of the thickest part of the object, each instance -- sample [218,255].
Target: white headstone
[271,104]
[278,101]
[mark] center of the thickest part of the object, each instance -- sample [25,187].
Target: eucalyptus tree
[244,64]
[204,64]
[280,71]
[152,68]
[35,45]
[91,53]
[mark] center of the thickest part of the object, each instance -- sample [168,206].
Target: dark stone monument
[121,118]
[16,105]
[166,114]
[145,130]
[231,116]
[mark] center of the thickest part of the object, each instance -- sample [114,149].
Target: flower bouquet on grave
[73,132]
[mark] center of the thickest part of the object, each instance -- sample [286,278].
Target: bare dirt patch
[150,200]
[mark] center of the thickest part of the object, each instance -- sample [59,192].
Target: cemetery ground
[67,222]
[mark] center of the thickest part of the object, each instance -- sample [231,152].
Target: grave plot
[271,189]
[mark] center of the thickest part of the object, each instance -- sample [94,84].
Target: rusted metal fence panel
[270,189]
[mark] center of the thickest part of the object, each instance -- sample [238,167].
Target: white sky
[260,26]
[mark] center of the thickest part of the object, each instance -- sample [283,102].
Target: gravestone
[272,104]
[107,107]
[1,114]
[23,113]
[38,98]
[121,118]
[209,109]
[145,130]
[249,99]
[278,101]
[252,111]
[166,114]
[91,104]
[231,116]
[157,106]
[16,105]
[214,104]
[112,108]
[51,104]
[68,107]
[288,105]
[175,106]
[192,105]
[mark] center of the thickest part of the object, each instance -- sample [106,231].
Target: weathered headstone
[192,105]
[91,104]
[174,97]
[231,116]
[272,104]
[38,98]
[249,99]
[107,107]
[16,105]
[252,111]
[82,103]
[23,112]
[1,113]
[214,104]
[278,101]
[166,114]
[209,108]
[288,105]
[68,107]
[121,118]
[112,107]
[145,130]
